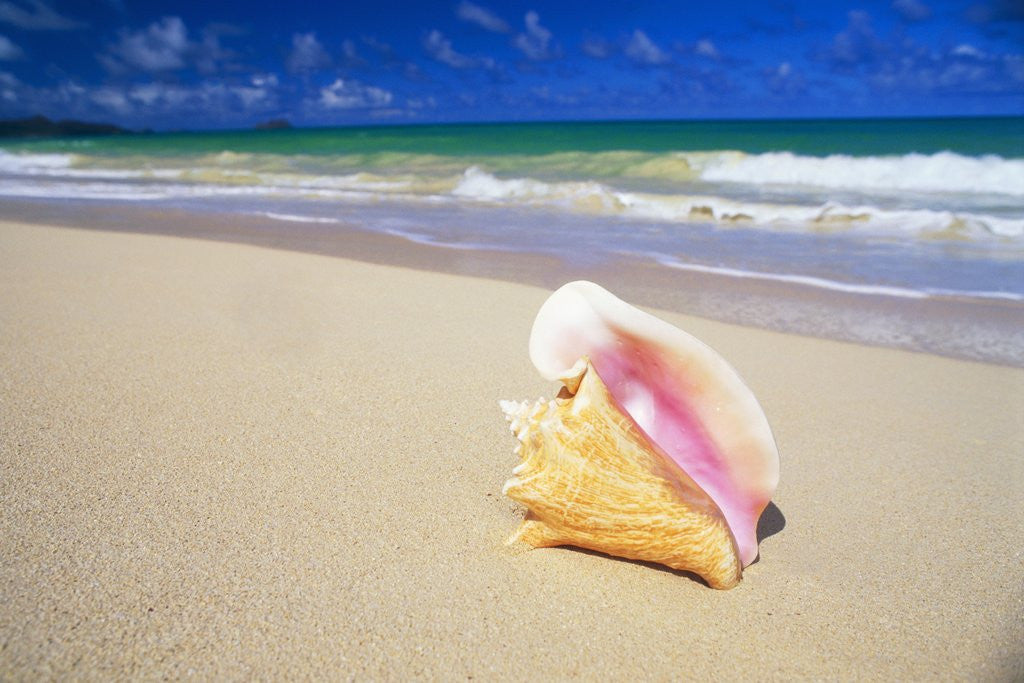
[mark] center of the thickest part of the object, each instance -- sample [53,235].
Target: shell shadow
[772,521]
[640,563]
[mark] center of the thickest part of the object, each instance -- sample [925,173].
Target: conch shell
[653,450]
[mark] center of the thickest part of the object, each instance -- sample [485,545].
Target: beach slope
[228,461]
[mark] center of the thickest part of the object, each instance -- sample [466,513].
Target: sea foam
[942,172]
[33,163]
[836,285]
[593,197]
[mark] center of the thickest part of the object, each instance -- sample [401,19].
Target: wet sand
[231,461]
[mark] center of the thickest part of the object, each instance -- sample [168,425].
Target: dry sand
[230,461]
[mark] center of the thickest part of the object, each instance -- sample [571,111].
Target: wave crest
[942,172]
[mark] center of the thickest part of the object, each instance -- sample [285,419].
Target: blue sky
[192,64]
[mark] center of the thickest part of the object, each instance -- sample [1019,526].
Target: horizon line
[507,122]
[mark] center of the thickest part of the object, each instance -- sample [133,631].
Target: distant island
[41,127]
[273,124]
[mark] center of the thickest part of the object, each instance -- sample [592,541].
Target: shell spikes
[653,450]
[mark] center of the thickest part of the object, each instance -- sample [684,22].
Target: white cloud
[162,46]
[37,16]
[536,42]
[113,99]
[900,65]
[705,48]
[382,49]
[211,98]
[165,46]
[912,10]
[856,44]
[209,54]
[9,51]
[250,97]
[149,93]
[961,69]
[69,89]
[421,102]
[265,80]
[965,50]
[8,86]
[784,80]
[596,47]
[440,49]
[412,71]
[307,53]
[351,53]
[349,94]
[643,50]
[482,17]
[259,94]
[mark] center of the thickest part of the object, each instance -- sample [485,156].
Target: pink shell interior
[640,385]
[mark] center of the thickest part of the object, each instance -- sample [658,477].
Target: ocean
[896,209]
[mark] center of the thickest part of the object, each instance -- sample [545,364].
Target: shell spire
[654,450]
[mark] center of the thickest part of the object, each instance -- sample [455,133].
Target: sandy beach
[229,461]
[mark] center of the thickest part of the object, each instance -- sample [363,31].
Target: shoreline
[224,461]
[990,331]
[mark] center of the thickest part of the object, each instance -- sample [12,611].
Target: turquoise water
[1003,136]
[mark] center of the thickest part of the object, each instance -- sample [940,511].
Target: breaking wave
[942,172]
[943,196]
[33,163]
[594,197]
